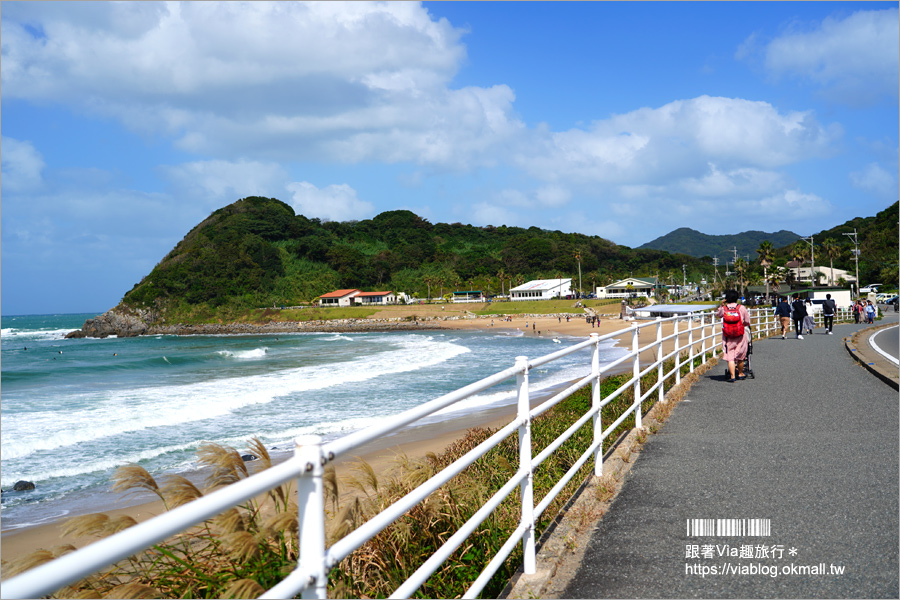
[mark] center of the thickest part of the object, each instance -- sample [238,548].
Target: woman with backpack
[735,334]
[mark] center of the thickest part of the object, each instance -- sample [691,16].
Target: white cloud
[288,80]
[678,140]
[875,179]
[221,180]
[332,203]
[740,182]
[854,58]
[21,165]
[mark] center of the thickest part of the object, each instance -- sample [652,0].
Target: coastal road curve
[887,343]
[809,447]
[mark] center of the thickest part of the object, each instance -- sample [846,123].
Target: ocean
[74,410]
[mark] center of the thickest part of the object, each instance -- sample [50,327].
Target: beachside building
[542,289]
[378,298]
[338,298]
[628,288]
[806,274]
[469,296]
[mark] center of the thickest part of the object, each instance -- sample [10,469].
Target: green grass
[542,307]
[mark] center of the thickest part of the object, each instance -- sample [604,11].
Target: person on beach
[783,312]
[799,312]
[828,308]
[735,334]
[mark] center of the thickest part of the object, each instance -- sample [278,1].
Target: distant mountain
[693,243]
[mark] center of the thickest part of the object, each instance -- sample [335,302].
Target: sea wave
[244,354]
[34,334]
[117,412]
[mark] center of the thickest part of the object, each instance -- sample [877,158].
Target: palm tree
[777,275]
[766,255]
[428,279]
[577,255]
[740,267]
[501,275]
[799,252]
[831,251]
[441,279]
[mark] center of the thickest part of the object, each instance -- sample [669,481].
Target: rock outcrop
[23,486]
[113,322]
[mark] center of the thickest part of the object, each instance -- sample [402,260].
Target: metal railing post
[690,322]
[677,354]
[595,404]
[635,346]
[527,485]
[703,336]
[659,359]
[311,513]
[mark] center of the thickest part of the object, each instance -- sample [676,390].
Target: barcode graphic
[729,527]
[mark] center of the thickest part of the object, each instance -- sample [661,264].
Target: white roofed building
[541,289]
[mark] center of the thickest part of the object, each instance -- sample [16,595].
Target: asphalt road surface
[809,448]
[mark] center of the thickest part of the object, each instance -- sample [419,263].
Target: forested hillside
[257,252]
[878,247]
[695,243]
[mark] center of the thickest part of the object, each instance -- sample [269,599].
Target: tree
[831,251]
[740,267]
[799,252]
[778,275]
[766,255]
[501,275]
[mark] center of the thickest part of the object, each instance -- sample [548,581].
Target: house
[541,289]
[640,286]
[379,298]
[338,298]
[470,296]
[826,271]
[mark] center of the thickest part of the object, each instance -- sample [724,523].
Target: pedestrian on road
[870,312]
[809,321]
[799,313]
[735,334]
[783,312]
[828,308]
[857,311]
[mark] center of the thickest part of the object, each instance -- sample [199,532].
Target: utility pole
[812,259]
[716,270]
[853,237]
[684,280]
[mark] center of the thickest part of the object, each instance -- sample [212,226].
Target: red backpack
[732,323]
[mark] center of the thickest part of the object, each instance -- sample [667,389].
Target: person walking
[735,334]
[799,312]
[809,321]
[870,312]
[828,308]
[783,312]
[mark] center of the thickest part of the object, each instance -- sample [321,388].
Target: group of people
[736,334]
[863,310]
[800,312]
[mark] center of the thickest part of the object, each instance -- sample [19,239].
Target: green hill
[878,246]
[256,252]
[694,243]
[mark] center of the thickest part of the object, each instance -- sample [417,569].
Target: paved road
[811,444]
[887,341]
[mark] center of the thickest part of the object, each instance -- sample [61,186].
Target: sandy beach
[415,442]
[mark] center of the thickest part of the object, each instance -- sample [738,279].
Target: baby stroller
[748,371]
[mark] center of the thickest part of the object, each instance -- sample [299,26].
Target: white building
[627,288]
[338,298]
[541,289]
[379,298]
[825,270]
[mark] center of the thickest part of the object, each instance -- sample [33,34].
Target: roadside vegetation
[248,549]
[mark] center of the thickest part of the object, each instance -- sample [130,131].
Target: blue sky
[126,124]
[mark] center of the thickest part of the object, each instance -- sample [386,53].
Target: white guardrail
[692,336]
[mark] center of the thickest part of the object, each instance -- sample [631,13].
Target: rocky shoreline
[132,324]
[114,323]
